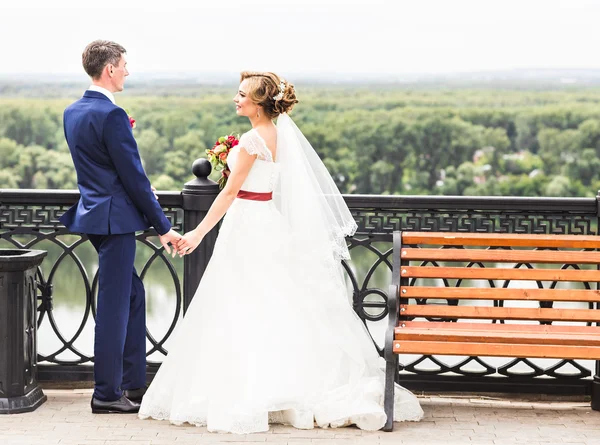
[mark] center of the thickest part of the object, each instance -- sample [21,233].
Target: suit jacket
[115,193]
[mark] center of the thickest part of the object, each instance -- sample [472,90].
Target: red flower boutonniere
[131,120]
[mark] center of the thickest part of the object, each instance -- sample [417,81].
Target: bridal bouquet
[218,156]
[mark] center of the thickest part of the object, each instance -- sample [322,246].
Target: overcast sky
[307,36]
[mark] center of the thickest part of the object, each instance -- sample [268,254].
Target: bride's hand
[188,243]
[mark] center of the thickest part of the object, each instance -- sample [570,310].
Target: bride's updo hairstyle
[272,93]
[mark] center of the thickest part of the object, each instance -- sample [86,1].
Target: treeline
[376,140]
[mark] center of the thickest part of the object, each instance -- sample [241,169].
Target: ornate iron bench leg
[391,369]
[391,359]
[596,388]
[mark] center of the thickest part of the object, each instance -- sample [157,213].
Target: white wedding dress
[270,336]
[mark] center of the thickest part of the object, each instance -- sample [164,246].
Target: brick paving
[66,419]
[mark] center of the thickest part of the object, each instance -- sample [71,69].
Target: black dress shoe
[120,406]
[135,395]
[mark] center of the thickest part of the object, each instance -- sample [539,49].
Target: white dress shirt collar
[103,91]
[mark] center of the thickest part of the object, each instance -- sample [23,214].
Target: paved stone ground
[66,419]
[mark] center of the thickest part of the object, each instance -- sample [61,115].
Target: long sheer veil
[308,198]
[320,221]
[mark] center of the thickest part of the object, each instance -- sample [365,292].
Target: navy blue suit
[115,201]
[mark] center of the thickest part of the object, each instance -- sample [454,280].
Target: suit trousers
[120,332]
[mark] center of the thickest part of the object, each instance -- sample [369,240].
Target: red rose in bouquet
[218,156]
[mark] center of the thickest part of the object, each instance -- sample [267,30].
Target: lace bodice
[264,172]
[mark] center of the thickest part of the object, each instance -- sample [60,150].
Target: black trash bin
[19,389]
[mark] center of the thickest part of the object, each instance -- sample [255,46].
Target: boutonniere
[131,119]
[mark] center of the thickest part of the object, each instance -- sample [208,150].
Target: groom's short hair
[100,53]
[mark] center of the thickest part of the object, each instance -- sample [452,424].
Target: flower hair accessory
[281,90]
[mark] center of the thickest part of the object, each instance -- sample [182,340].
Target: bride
[270,336]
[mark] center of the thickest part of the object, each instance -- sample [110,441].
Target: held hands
[182,245]
[188,242]
[170,237]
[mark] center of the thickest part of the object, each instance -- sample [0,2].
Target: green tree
[442,142]
[152,149]
[178,167]
[589,133]
[30,126]
[164,182]
[192,144]
[28,164]
[8,150]
[556,147]
[58,170]
[8,179]
[584,167]
[496,142]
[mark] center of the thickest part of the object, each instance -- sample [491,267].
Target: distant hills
[54,85]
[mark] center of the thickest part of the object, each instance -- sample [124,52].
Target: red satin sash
[255,196]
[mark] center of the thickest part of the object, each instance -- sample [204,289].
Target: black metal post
[19,389]
[198,196]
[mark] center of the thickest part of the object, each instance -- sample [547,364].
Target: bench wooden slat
[501,239]
[515,328]
[501,256]
[496,273]
[490,335]
[497,350]
[499,313]
[494,293]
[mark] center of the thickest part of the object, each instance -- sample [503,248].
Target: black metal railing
[29,218]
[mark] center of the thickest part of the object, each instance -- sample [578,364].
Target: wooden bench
[448,329]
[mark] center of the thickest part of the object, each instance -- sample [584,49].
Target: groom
[116,200]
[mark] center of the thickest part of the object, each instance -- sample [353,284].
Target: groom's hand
[154,191]
[170,237]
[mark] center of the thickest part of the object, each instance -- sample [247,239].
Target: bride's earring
[258,113]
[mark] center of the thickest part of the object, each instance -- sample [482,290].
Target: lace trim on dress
[254,144]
